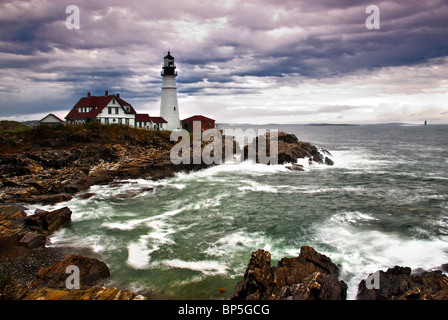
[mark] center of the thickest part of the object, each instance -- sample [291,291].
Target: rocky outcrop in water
[290,148]
[398,283]
[310,276]
[31,231]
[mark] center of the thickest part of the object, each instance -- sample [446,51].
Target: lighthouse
[169,109]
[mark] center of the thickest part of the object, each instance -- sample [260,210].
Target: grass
[7,126]
[16,137]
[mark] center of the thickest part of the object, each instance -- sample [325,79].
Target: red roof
[142,117]
[198,118]
[98,103]
[158,120]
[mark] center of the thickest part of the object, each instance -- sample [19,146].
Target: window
[174,108]
[106,120]
[109,110]
[119,120]
[127,122]
[113,101]
[117,111]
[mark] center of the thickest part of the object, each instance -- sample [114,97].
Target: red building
[206,123]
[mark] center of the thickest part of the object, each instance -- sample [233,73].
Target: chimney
[118,95]
[107,93]
[88,94]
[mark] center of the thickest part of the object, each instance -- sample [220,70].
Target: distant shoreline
[331,125]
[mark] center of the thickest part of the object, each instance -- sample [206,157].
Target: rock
[317,286]
[11,212]
[86,195]
[16,291]
[11,221]
[309,276]
[33,240]
[399,284]
[91,272]
[290,148]
[328,161]
[295,167]
[48,221]
[95,293]
[48,199]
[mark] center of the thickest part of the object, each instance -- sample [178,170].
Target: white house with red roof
[111,109]
[107,109]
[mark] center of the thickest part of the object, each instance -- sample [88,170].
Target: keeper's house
[109,109]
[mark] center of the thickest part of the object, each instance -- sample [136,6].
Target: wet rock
[398,283]
[317,286]
[11,218]
[295,167]
[91,272]
[47,222]
[48,199]
[309,276]
[33,240]
[95,293]
[290,148]
[328,161]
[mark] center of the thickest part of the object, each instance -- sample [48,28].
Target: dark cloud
[120,44]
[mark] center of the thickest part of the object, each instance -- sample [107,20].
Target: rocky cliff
[310,276]
[313,276]
[49,165]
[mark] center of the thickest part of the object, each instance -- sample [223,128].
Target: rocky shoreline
[48,166]
[313,276]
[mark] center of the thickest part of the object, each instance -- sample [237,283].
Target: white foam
[362,251]
[257,187]
[246,167]
[351,217]
[207,267]
[139,253]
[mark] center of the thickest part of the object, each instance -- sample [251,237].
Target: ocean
[383,203]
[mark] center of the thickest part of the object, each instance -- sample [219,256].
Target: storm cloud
[260,60]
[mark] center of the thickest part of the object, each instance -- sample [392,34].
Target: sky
[251,61]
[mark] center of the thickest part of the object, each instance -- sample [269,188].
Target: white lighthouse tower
[169,110]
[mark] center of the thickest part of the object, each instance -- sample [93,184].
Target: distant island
[331,125]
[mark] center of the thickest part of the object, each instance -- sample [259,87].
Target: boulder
[398,283]
[317,286]
[33,240]
[11,217]
[47,222]
[328,161]
[295,167]
[309,276]
[290,148]
[91,272]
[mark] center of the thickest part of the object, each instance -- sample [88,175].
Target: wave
[207,267]
[362,250]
